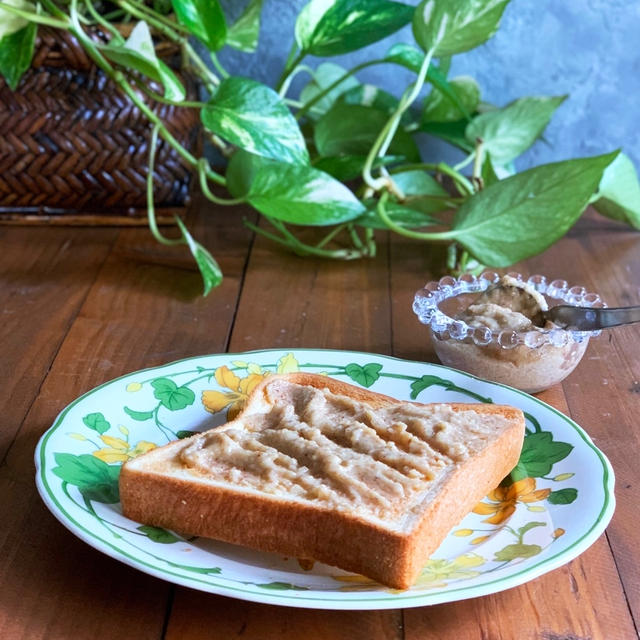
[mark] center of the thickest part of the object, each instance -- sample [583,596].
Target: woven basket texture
[71,143]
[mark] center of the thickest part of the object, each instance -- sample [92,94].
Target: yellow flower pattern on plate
[238,391]
[119,450]
[239,388]
[434,574]
[503,500]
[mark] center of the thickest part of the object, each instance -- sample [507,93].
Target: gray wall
[588,49]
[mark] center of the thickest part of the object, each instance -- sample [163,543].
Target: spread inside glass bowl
[492,327]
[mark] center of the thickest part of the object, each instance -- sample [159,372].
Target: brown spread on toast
[339,452]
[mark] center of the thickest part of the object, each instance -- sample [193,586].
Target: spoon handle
[587,319]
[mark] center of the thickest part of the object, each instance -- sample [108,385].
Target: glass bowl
[530,360]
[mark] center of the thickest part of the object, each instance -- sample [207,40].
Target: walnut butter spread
[339,452]
[511,305]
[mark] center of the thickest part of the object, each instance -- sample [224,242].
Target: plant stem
[476,174]
[299,247]
[227,150]
[301,68]
[184,153]
[405,103]
[293,60]
[393,188]
[461,181]
[337,82]
[140,11]
[216,63]
[53,9]
[292,103]
[158,98]
[334,84]
[117,36]
[119,78]
[385,137]
[202,71]
[281,227]
[355,238]
[151,212]
[331,235]
[202,173]
[155,16]
[452,256]
[419,235]
[290,56]
[468,160]
[35,17]
[116,15]
[369,235]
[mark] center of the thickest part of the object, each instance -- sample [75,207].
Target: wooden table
[81,306]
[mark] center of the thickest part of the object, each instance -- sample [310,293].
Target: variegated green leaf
[618,195]
[325,75]
[508,132]
[292,193]
[447,27]
[438,106]
[351,129]
[16,52]
[204,19]
[522,215]
[334,27]
[244,32]
[254,117]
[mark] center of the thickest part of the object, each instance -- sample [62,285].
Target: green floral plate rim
[554,505]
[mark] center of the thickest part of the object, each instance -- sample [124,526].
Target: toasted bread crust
[301,529]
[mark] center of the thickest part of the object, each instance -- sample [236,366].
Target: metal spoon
[563,316]
[588,319]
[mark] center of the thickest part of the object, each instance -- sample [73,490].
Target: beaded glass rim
[427,300]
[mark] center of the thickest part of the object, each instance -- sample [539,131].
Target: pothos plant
[342,154]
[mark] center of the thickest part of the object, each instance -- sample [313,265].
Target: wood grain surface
[82,306]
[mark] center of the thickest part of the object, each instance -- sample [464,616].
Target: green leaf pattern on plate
[157,534]
[95,479]
[563,496]
[171,395]
[281,586]
[96,422]
[366,375]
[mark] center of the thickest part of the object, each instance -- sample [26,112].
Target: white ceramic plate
[561,499]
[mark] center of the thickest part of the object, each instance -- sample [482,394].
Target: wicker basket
[74,149]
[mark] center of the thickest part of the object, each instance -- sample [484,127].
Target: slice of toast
[319,469]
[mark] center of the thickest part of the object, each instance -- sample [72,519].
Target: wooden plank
[560,604]
[198,616]
[44,278]
[144,309]
[557,605]
[290,302]
[413,265]
[55,587]
[137,218]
